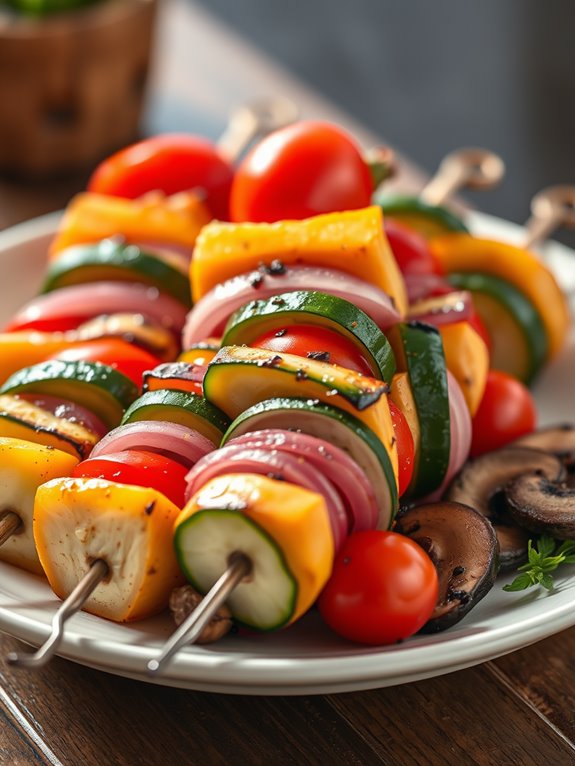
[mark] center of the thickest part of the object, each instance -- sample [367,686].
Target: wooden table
[518,709]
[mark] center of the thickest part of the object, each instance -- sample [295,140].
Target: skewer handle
[253,120]
[470,168]
[239,567]
[10,523]
[551,208]
[73,604]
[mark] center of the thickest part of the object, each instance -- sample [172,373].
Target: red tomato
[411,250]
[507,411]
[116,353]
[303,340]
[300,171]
[170,163]
[405,446]
[144,469]
[48,324]
[383,588]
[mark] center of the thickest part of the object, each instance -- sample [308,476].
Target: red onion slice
[456,306]
[235,458]
[421,286]
[329,460]
[62,408]
[183,444]
[460,430]
[97,298]
[211,313]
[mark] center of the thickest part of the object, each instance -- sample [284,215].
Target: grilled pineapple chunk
[77,521]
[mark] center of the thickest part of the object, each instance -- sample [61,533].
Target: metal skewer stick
[189,631]
[75,601]
[253,120]
[10,523]
[463,168]
[550,208]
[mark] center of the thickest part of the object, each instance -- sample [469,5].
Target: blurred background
[433,76]
[426,77]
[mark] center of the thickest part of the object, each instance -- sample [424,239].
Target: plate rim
[194,668]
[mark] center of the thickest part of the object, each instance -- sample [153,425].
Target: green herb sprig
[544,556]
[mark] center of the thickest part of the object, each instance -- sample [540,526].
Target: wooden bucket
[72,86]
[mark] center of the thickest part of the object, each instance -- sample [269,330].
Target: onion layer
[98,298]
[62,408]
[210,314]
[183,444]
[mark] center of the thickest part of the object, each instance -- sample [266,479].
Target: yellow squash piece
[24,466]
[154,218]
[77,521]
[464,253]
[353,242]
[467,358]
[296,519]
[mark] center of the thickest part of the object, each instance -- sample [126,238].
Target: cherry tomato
[383,588]
[170,163]
[300,171]
[507,411]
[405,446]
[144,469]
[411,250]
[303,340]
[47,324]
[117,353]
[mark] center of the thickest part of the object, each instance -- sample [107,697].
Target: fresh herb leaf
[543,557]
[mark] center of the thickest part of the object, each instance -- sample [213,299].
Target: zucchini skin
[419,351]
[521,312]
[313,308]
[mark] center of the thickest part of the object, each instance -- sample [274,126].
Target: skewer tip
[153,666]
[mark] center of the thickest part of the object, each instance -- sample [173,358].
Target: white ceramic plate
[306,658]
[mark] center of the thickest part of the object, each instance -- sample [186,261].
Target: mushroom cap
[463,547]
[558,439]
[541,505]
[481,482]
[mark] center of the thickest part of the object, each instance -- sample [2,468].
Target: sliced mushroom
[480,485]
[185,599]
[463,546]
[541,505]
[559,439]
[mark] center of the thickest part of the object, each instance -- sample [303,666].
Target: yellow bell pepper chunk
[24,466]
[155,218]
[296,519]
[28,347]
[467,358]
[464,253]
[353,242]
[77,521]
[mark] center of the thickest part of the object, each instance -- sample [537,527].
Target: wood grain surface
[517,710]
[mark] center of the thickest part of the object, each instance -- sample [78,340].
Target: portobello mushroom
[558,439]
[541,505]
[463,547]
[481,482]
